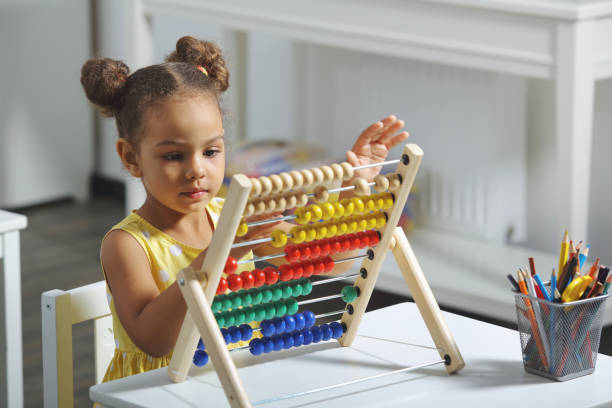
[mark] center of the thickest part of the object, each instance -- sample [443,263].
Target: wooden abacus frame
[199,287]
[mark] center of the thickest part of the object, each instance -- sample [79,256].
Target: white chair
[60,310]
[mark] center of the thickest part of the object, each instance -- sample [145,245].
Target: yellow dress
[167,257]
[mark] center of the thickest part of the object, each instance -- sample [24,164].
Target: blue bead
[279,324]
[327,332]
[268,344]
[256,347]
[298,338]
[287,340]
[317,334]
[310,318]
[300,321]
[337,331]
[307,336]
[235,333]
[277,340]
[226,336]
[201,345]
[267,328]
[289,323]
[246,331]
[200,358]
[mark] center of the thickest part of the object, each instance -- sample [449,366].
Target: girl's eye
[211,153]
[172,156]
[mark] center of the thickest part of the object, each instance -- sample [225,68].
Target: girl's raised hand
[373,145]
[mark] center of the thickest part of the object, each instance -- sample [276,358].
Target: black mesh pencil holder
[559,340]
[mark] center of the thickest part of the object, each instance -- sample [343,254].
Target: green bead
[236,300]
[260,313]
[297,290]
[256,295]
[292,306]
[281,309]
[216,306]
[277,293]
[220,319]
[266,295]
[270,311]
[306,286]
[239,316]
[287,291]
[247,299]
[229,319]
[349,293]
[249,314]
[226,303]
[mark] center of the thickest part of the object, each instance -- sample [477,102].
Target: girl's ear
[129,157]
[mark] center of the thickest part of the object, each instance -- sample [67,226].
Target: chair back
[60,310]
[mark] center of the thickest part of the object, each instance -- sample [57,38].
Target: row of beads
[296,338]
[257,312]
[278,203]
[331,246]
[343,208]
[328,229]
[255,296]
[305,179]
[382,183]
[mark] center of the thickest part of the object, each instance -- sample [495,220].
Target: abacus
[325,227]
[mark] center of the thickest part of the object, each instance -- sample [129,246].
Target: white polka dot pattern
[176,250]
[109,298]
[146,235]
[164,276]
[116,343]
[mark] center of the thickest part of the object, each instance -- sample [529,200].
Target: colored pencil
[532,321]
[563,253]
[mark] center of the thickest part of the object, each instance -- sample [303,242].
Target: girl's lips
[194,194]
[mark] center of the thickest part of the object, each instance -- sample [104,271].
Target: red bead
[329,263]
[308,269]
[346,243]
[325,246]
[292,253]
[271,275]
[305,252]
[315,250]
[248,280]
[355,242]
[365,239]
[234,282]
[260,277]
[286,272]
[335,245]
[298,270]
[230,265]
[374,238]
[222,287]
[319,266]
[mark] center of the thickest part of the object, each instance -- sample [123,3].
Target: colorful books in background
[275,156]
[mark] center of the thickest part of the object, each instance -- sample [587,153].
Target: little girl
[171,136]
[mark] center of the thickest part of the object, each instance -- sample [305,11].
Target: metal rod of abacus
[330,387]
[341,189]
[321,299]
[365,166]
[271,220]
[352,258]
[266,257]
[337,278]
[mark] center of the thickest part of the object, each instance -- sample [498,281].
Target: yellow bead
[379,202]
[359,205]
[342,228]
[321,231]
[351,226]
[279,239]
[311,233]
[316,212]
[332,230]
[298,235]
[338,209]
[349,207]
[370,205]
[302,216]
[371,221]
[381,220]
[243,228]
[362,224]
[328,210]
[388,200]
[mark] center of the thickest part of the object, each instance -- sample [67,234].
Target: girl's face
[181,155]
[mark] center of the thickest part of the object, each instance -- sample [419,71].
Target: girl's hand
[373,145]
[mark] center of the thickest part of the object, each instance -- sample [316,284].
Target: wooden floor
[60,250]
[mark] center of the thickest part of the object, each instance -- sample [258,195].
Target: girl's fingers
[396,140]
[390,131]
[368,134]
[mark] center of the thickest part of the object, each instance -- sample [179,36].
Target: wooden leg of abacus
[425,301]
[205,321]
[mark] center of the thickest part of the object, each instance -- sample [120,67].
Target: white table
[493,373]
[11,361]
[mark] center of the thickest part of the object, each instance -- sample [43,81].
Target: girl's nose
[195,169]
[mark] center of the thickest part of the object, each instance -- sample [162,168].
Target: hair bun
[103,80]
[203,53]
